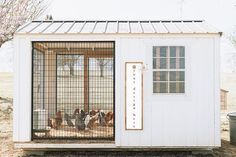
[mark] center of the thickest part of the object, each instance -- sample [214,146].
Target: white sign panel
[133,96]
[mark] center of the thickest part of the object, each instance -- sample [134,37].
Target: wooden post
[50,82]
[86,90]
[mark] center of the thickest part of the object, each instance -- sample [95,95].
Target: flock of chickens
[81,120]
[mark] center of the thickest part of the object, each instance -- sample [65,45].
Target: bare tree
[69,61]
[14,13]
[102,63]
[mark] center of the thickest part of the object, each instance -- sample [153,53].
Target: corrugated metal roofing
[122,27]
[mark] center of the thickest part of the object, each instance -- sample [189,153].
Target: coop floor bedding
[81,124]
[66,131]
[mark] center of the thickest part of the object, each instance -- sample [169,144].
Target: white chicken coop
[117,84]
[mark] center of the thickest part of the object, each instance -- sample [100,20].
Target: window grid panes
[168,69]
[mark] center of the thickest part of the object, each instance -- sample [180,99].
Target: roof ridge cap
[117,21]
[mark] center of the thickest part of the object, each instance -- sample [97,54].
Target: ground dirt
[7,147]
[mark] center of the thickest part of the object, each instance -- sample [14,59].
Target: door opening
[73,90]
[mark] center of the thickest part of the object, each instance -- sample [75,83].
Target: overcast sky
[220,13]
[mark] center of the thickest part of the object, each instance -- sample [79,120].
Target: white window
[168,69]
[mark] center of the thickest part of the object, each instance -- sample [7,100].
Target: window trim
[168,57]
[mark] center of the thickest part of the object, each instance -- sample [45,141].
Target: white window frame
[168,69]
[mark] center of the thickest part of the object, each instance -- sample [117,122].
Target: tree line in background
[71,61]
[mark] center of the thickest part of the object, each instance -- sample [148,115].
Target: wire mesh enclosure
[73,90]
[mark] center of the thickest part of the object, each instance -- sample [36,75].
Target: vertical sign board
[133,96]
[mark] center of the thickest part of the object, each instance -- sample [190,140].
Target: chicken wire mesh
[73,90]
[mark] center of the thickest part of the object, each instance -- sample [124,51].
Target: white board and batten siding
[191,119]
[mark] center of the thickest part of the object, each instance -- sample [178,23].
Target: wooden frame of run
[87,53]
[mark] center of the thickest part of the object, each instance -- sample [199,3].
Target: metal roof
[121,27]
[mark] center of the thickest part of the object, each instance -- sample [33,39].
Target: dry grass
[6,85]
[6,95]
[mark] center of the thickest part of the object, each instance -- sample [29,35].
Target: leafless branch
[14,13]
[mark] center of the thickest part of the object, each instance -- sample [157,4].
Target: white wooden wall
[170,120]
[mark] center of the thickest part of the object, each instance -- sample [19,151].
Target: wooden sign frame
[126,63]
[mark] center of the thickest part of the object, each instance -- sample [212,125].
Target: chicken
[102,120]
[108,117]
[55,122]
[86,120]
[68,120]
[92,121]
[93,113]
[79,120]
[77,111]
